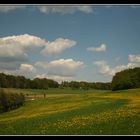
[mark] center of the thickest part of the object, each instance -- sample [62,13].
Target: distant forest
[125,79]
[11,81]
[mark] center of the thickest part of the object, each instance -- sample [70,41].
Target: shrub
[9,101]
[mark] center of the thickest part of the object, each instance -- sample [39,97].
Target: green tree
[126,79]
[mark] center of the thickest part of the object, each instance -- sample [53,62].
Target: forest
[10,81]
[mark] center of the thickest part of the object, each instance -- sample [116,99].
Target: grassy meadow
[91,112]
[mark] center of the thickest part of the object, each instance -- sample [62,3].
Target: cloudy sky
[64,43]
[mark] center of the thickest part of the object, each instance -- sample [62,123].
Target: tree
[84,85]
[126,79]
[74,85]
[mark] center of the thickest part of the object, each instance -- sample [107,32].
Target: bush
[9,101]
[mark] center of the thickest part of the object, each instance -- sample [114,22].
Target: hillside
[97,112]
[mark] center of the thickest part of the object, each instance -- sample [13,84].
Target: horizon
[69,43]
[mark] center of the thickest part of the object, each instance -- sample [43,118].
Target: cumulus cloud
[57,78]
[65,9]
[57,46]
[85,9]
[120,68]
[24,41]
[5,8]
[61,67]
[134,58]
[105,69]
[60,70]
[102,48]
[15,50]
[17,46]
[26,70]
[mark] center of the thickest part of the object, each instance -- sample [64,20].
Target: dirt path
[60,95]
[33,97]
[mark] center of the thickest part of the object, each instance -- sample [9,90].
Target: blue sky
[77,42]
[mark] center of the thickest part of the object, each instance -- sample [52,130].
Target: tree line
[126,79]
[11,81]
[85,85]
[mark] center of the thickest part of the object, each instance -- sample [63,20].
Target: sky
[69,42]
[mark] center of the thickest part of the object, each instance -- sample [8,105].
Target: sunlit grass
[96,113]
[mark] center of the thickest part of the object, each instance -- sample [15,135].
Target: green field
[92,112]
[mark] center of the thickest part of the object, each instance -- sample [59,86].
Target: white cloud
[60,70]
[134,58]
[56,9]
[65,9]
[15,50]
[122,67]
[85,9]
[26,70]
[105,69]
[61,67]
[57,78]
[17,46]
[102,48]
[24,41]
[5,8]
[57,46]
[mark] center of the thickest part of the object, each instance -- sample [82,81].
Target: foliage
[126,79]
[9,101]
[10,81]
[86,85]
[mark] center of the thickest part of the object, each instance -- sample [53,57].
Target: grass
[89,113]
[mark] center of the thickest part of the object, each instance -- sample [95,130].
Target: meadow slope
[93,112]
